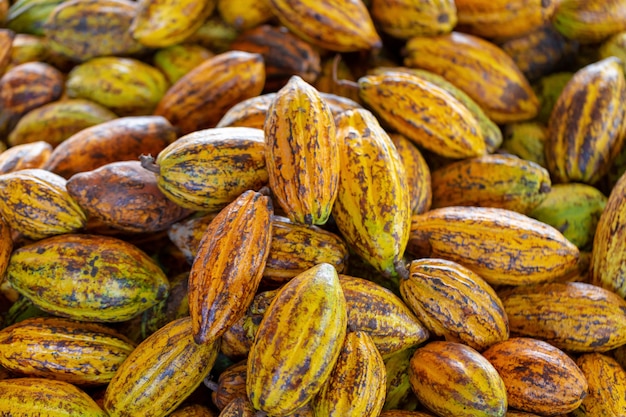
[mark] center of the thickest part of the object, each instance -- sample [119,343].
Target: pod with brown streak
[306,320]
[406,18]
[121,139]
[228,268]
[417,172]
[607,386]
[284,55]
[356,386]
[202,96]
[57,121]
[501,181]
[239,407]
[502,246]
[125,196]
[389,322]
[589,21]
[502,18]
[36,203]
[539,378]
[84,29]
[454,302]
[302,153]
[24,88]
[230,384]
[208,169]
[330,24]
[608,256]
[87,277]
[372,209]
[64,350]
[160,373]
[586,129]
[23,397]
[26,156]
[479,68]
[573,316]
[424,113]
[7,37]
[158,24]
[454,380]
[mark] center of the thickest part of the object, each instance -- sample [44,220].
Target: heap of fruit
[313,208]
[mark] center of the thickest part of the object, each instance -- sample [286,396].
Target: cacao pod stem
[401,269]
[210,384]
[342,83]
[147,162]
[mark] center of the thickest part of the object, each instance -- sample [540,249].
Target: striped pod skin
[382,315]
[479,68]
[230,384]
[239,407]
[302,153]
[404,19]
[228,268]
[492,134]
[87,277]
[36,203]
[65,350]
[121,139]
[306,323]
[454,302]
[372,209]
[502,246]
[539,378]
[608,255]
[423,112]
[417,173]
[26,397]
[573,316]
[208,169]
[202,96]
[607,386]
[454,380]
[160,373]
[586,129]
[589,21]
[340,26]
[500,181]
[26,87]
[356,387]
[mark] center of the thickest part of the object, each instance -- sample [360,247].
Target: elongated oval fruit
[589,21]
[372,209]
[158,24]
[64,350]
[84,29]
[306,320]
[608,256]
[160,373]
[302,153]
[479,68]
[502,246]
[357,384]
[454,302]
[341,26]
[407,18]
[125,196]
[87,277]
[35,202]
[454,380]
[573,316]
[227,270]
[586,127]
[424,113]
[502,18]
[539,378]
[202,96]
[417,172]
[208,169]
[377,311]
[500,181]
[126,86]
[121,139]
[607,386]
[57,121]
[23,397]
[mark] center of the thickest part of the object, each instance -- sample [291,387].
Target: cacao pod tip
[147,162]
[401,269]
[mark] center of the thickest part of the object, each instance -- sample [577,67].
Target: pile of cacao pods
[313,208]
